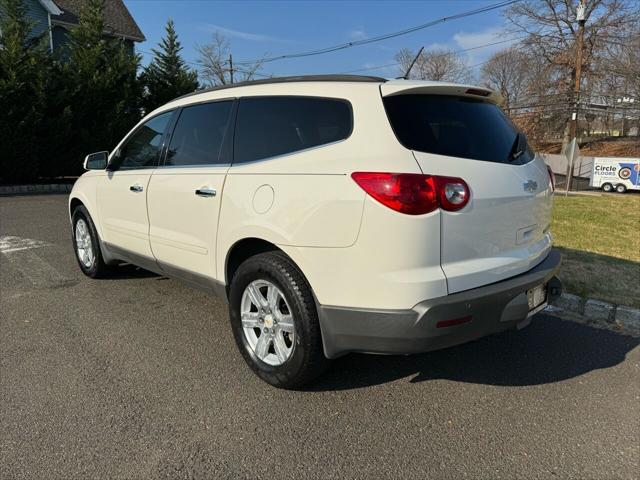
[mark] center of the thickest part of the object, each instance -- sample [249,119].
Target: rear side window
[456,127]
[271,126]
[198,135]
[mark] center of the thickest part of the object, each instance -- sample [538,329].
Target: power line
[387,36]
[513,39]
[523,37]
[376,67]
[452,51]
[249,72]
[561,105]
[379,38]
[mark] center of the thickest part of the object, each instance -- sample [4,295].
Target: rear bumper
[493,308]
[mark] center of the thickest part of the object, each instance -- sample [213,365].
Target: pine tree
[23,73]
[167,76]
[101,85]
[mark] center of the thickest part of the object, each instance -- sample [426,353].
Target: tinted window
[457,127]
[198,135]
[270,126]
[142,149]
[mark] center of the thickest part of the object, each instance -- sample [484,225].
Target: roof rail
[301,78]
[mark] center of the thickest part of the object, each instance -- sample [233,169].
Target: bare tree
[215,67]
[614,82]
[509,72]
[551,26]
[440,65]
[552,32]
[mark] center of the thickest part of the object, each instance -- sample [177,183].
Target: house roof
[118,21]
[50,7]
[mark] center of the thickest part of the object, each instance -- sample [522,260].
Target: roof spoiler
[408,87]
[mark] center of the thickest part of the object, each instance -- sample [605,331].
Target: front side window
[271,126]
[142,148]
[456,127]
[197,138]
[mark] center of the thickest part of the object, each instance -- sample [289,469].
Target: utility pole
[231,67]
[580,15]
[573,132]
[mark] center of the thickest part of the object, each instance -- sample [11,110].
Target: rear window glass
[456,127]
[271,126]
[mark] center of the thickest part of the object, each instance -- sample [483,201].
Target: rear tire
[620,188]
[607,187]
[86,245]
[280,339]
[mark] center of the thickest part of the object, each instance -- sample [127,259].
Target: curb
[31,189]
[597,313]
[562,193]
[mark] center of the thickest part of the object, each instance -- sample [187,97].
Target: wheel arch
[243,249]
[74,202]
[247,247]
[78,200]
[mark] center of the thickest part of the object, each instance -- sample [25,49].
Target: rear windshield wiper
[515,150]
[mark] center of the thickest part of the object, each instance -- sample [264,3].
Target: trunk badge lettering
[530,186]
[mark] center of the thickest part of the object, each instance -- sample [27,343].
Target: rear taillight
[408,193]
[552,178]
[412,193]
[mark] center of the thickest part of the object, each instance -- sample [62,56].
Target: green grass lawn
[599,237]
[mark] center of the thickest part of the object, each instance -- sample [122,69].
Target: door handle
[136,188]
[206,192]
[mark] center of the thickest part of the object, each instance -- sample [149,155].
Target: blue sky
[263,28]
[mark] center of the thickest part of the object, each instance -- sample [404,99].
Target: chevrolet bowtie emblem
[530,186]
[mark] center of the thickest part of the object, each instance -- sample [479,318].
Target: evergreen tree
[23,74]
[101,85]
[167,76]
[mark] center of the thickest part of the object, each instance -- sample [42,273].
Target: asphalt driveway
[138,377]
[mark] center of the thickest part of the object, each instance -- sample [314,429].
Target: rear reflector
[412,193]
[453,322]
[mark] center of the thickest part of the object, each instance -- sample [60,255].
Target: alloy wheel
[267,322]
[84,246]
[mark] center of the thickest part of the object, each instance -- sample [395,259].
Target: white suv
[335,214]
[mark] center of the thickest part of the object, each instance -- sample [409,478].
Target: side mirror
[96,161]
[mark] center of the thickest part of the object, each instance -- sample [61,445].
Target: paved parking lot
[138,377]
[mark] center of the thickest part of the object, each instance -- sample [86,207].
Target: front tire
[607,187]
[275,322]
[86,245]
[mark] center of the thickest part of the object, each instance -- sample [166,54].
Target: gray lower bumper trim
[493,308]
